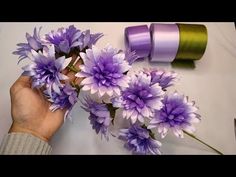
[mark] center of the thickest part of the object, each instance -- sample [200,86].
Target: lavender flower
[34,42]
[139,140]
[104,71]
[177,114]
[164,78]
[87,39]
[67,39]
[131,57]
[64,39]
[140,99]
[65,99]
[99,116]
[46,69]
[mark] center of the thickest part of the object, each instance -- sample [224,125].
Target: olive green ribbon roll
[193,41]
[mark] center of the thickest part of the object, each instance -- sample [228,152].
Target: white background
[212,84]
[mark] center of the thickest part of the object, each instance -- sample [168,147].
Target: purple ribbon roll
[138,39]
[165,42]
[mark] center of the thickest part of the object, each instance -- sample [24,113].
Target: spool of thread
[138,39]
[165,42]
[193,41]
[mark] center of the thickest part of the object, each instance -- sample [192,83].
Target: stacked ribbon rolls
[167,42]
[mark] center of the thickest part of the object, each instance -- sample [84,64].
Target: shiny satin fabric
[193,41]
[165,42]
[138,39]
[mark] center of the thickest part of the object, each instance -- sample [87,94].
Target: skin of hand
[30,109]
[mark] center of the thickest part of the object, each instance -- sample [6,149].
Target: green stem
[73,84]
[150,132]
[73,68]
[194,137]
[112,111]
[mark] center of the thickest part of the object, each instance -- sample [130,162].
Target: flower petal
[88,80]
[66,62]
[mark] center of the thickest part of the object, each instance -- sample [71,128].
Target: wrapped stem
[194,137]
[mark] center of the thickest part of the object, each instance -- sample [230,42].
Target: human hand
[30,109]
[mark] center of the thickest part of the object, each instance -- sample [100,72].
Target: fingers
[24,79]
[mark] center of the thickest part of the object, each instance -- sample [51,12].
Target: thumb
[24,80]
[21,82]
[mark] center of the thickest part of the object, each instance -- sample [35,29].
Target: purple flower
[164,78]
[46,69]
[64,39]
[87,39]
[67,39]
[99,116]
[140,99]
[104,71]
[34,42]
[177,114]
[65,99]
[131,57]
[139,140]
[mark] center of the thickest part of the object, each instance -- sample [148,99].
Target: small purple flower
[67,39]
[46,69]
[64,39]
[34,43]
[140,99]
[87,39]
[131,57]
[65,99]
[164,78]
[99,116]
[177,114]
[139,140]
[104,71]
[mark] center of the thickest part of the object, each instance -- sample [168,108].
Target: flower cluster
[141,97]
[51,54]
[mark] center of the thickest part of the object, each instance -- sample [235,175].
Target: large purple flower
[67,39]
[140,140]
[65,99]
[164,78]
[46,69]
[104,71]
[177,114]
[99,116]
[34,42]
[140,99]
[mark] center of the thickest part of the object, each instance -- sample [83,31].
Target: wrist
[16,128]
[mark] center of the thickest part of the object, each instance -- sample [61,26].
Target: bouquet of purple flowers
[141,96]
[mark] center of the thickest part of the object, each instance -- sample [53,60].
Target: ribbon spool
[165,42]
[193,41]
[138,39]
